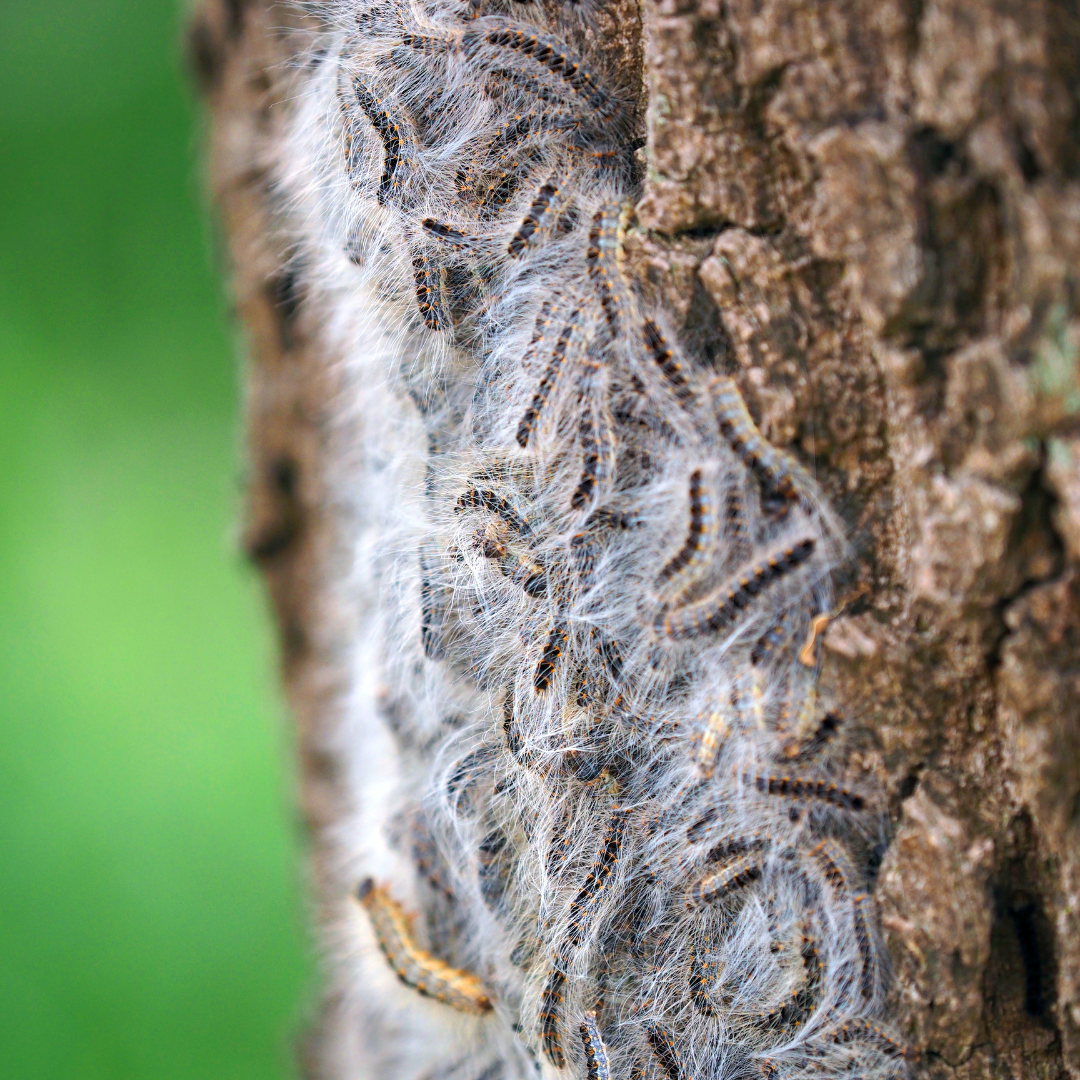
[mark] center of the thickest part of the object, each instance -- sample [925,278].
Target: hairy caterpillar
[718,883]
[596,1059]
[414,967]
[667,1053]
[717,613]
[701,523]
[571,537]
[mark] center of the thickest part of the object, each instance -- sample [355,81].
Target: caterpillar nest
[604,822]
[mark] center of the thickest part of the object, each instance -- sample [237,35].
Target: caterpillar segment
[718,885]
[700,530]
[547,381]
[780,471]
[398,140]
[794,787]
[667,1052]
[604,258]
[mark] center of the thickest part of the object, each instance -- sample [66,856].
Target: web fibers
[587,742]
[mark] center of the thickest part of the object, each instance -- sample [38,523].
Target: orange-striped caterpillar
[864,919]
[717,884]
[429,292]
[395,138]
[474,498]
[602,258]
[455,238]
[858,1029]
[719,612]
[701,524]
[711,737]
[417,969]
[596,1059]
[583,907]
[549,657]
[794,787]
[667,1053]
[547,383]
[835,867]
[594,432]
[551,1013]
[664,358]
[545,55]
[780,471]
[534,219]
[581,914]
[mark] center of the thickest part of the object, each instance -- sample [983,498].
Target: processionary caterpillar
[416,968]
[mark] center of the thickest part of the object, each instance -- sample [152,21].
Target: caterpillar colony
[588,742]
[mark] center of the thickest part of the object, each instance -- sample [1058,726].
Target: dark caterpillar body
[794,787]
[545,55]
[547,382]
[701,523]
[596,1059]
[392,132]
[540,206]
[715,614]
[549,658]
[416,968]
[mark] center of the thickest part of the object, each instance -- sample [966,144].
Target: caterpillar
[596,1059]
[551,1013]
[429,299]
[663,356]
[474,498]
[711,738]
[781,471]
[795,787]
[718,884]
[568,533]
[667,1053]
[534,218]
[547,382]
[719,612]
[601,256]
[701,523]
[863,921]
[549,658]
[859,1029]
[543,54]
[584,904]
[389,130]
[415,968]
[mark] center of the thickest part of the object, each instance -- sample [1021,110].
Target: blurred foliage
[150,921]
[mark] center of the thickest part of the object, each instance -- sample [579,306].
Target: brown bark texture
[868,211]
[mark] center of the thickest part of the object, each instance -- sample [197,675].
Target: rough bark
[869,212]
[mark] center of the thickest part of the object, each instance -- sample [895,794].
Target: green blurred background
[150,907]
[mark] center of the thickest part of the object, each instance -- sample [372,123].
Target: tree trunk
[868,212]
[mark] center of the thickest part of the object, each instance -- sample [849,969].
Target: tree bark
[868,211]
